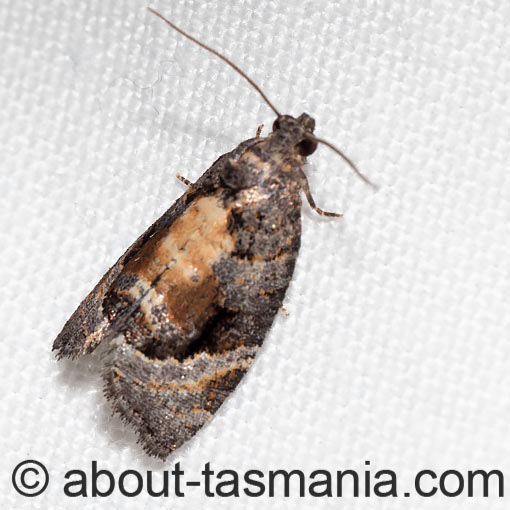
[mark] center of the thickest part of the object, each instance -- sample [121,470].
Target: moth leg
[284,310]
[184,180]
[259,130]
[305,187]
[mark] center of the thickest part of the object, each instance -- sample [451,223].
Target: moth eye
[276,125]
[306,147]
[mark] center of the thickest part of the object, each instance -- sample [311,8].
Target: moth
[186,308]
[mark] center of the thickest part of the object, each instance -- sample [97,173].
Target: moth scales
[185,309]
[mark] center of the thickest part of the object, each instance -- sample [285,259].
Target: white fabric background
[397,346]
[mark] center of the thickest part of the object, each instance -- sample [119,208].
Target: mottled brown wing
[88,325]
[163,375]
[169,401]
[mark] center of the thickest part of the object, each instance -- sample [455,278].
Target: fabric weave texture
[396,349]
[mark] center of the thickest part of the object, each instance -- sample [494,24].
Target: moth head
[296,132]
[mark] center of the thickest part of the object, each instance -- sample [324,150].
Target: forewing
[169,401]
[87,326]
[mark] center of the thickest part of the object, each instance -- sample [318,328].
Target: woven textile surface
[396,350]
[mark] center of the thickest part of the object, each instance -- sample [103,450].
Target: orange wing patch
[175,267]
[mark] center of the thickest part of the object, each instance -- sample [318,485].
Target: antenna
[219,55]
[259,90]
[366,180]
